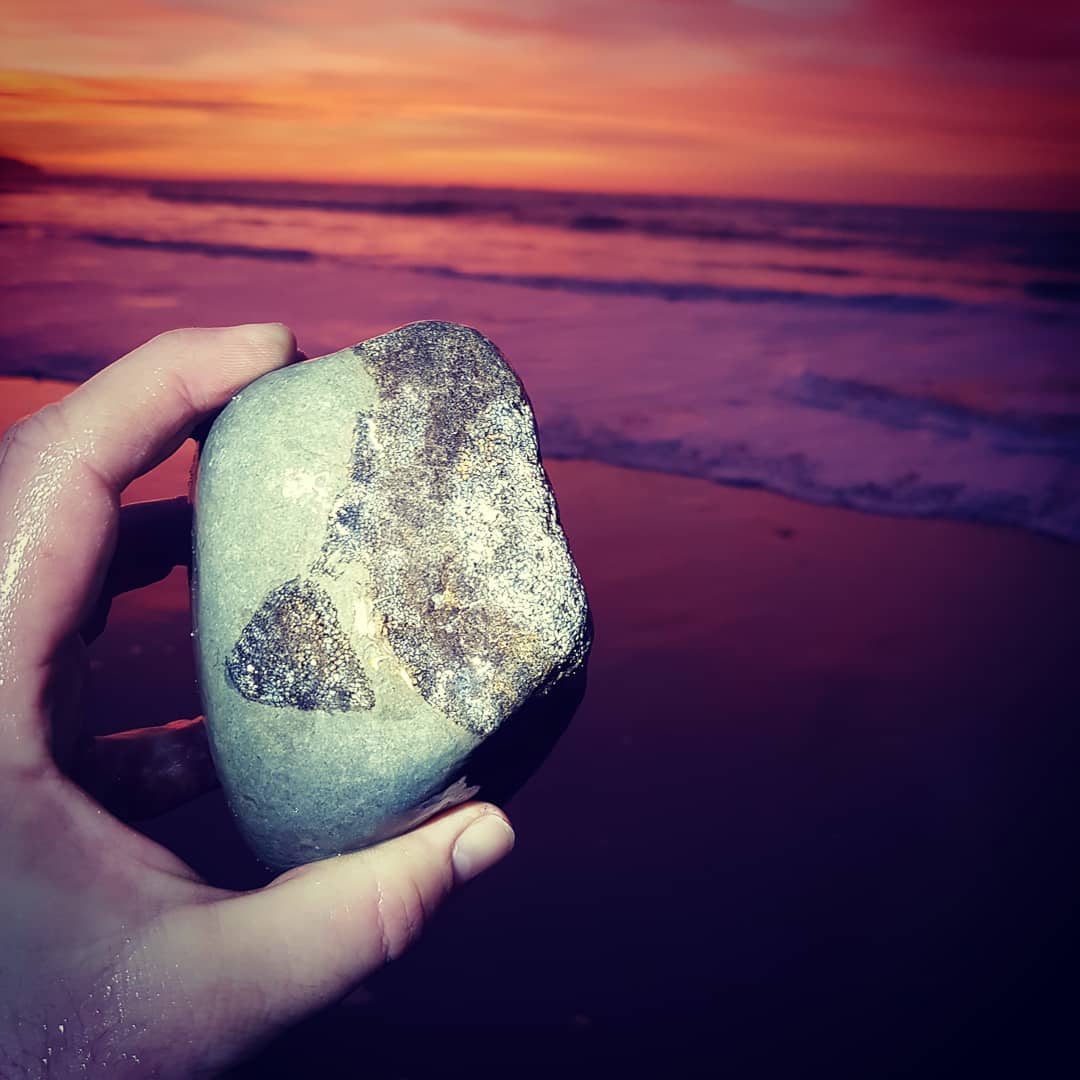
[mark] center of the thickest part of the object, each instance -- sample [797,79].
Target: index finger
[61,473]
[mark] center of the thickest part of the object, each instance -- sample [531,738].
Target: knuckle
[178,335]
[172,349]
[400,914]
[180,387]
[180,338]
[32,434]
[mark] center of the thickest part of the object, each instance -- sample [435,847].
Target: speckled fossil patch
[293,652]
[448,508]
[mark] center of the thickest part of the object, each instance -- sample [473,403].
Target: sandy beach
[822,784]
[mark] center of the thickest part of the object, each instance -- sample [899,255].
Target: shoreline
[24,393]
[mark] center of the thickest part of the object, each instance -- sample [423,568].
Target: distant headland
[17,169]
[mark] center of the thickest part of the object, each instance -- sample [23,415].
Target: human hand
[114,955]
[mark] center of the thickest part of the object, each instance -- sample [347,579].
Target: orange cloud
[898,100]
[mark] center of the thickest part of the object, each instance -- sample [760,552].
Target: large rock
[388,619]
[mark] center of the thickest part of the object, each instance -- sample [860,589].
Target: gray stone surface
[382,591]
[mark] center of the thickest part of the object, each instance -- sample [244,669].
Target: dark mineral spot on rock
[459,534]
[294,653]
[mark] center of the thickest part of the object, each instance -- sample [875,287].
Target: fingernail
[487,840]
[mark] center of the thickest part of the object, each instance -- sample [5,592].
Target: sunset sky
[970,102]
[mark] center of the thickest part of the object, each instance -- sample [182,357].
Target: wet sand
[818,809]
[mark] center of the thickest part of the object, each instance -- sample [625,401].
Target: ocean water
[892,360]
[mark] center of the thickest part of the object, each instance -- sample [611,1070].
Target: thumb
[311,935]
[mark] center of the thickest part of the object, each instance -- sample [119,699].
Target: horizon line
[43,172]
